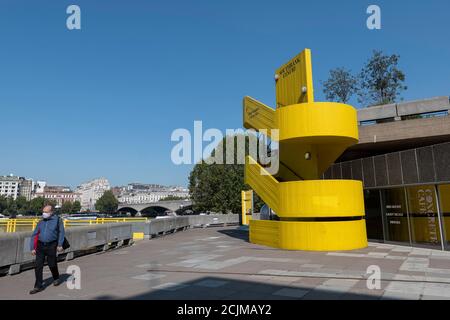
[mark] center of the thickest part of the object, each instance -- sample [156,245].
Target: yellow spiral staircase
[314,214]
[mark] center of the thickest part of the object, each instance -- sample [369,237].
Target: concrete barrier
[377,113]
[15,254]
[423,106]
[167,225]
[8,248]
[398,110]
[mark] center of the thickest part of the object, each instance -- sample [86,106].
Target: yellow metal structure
[28,224]
[247,206]
[314,214]
[138,235]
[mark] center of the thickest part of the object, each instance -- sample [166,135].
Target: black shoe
[36,290]
[56,282]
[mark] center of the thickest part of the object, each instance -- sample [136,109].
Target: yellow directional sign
[294,83]
[247,206]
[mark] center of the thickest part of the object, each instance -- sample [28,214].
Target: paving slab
[220,263]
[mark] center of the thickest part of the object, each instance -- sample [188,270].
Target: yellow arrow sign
[294,83]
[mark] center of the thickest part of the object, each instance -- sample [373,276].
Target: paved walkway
[219,263]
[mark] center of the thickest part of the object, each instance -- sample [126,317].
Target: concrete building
[26,188]
[12,186]
[149,197]
[403,160]
[59,194]
[39,186]
[140,193]
[91,191]
[9,186]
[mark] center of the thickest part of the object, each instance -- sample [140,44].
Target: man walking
[47,238]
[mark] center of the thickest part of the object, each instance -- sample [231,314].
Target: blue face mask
[46,215]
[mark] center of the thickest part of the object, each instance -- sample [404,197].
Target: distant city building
[58,194]
[39,186]
[26,188]
[12,186]
[152,193]
[91,191]
[117,191]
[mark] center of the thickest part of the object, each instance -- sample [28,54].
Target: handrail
[12,225]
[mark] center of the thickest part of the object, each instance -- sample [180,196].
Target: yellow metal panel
[309,198]
[138,235]
[293,78]
[320,198]
[319,121]
[257,115]
[265,233]
[264,185]
[324,130]
[310,236]
[247,206]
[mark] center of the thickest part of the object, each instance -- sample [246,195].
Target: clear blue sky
[104,100]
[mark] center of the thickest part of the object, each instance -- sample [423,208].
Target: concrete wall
[15,253]
[397,110]
[163,226]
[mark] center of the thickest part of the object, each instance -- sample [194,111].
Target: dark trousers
[44,250]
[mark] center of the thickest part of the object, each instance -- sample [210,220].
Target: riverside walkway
[220,263]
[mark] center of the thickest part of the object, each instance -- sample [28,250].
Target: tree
[380,80]
[76,206]
[66,207]
[107,203]
[172,198]
[3,203]
[22,205]
[340,86]
[36,205]
[217,187]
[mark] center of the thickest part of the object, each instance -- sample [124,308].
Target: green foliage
[172,198]
[217,187]
[107,203]
[340,86]
[381,80]
[66,207]
[12,208]
[76,206]
[22,205]
[3,203]
[37,204]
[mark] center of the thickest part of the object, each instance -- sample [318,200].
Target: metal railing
[29,224]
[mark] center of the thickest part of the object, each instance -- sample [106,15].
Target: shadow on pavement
[215,288]
[236,233]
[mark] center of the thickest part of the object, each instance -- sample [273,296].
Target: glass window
[374,223]
[444,195]
[395,215]
[423,215]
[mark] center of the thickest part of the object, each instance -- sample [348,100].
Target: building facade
[58,194]
[140,193]
[149,197]
[91,191]
[12,187]
[403,160]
